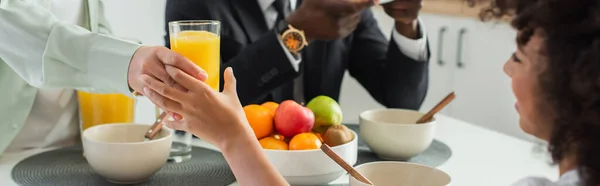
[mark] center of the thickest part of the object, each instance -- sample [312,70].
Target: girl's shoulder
[570,178]
[535,181]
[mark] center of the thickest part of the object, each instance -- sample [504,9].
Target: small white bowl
[393,135]
[312,167]
[385,173]
[119,153]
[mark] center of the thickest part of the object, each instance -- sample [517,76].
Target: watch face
[293,40]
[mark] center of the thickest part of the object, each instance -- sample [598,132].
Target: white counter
[479,157]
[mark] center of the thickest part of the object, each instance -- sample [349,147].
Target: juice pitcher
[97,109]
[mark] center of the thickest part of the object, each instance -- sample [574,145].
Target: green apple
[327,113]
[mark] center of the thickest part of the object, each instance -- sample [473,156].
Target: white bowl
[312,167]
[385,1]
[386,173]
[119,153]
[393,135]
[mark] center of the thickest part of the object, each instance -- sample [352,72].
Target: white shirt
[53,118]
[570,178]
[413,48]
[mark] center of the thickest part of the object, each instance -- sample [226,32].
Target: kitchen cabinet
[467,57]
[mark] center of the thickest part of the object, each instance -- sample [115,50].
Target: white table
[479,157]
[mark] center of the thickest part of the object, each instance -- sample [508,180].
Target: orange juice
[95,109]
[202,48]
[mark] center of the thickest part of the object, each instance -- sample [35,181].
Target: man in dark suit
[342,35]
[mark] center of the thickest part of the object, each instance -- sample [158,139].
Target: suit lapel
[251,17]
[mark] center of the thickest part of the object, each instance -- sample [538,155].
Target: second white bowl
[393,135]
[385,173]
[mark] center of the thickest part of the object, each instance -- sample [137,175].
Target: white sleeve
[415,49]
[293,61]
[48,53]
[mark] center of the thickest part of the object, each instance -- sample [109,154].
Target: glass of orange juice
[199,41]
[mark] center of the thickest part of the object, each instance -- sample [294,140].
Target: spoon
[344,165]
[427,117]
[156,127]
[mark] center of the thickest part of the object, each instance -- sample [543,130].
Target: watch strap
[281,26]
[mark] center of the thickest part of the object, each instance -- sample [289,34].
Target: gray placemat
[65,167]
[434,156]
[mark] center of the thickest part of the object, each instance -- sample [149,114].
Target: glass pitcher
[97,109]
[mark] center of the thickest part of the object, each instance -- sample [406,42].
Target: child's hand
[217,118]
[213,116]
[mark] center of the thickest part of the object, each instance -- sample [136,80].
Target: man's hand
[405,13]
[328,19]
[151,61]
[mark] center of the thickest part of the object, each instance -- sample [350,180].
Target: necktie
[296,89]
[283,9]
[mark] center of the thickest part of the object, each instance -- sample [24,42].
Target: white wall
[139,19]
[143,20]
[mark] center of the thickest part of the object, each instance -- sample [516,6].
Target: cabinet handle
[459,48]
[440,45]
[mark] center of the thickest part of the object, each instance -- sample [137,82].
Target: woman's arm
[48,53]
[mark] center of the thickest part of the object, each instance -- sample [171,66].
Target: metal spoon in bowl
[353,172]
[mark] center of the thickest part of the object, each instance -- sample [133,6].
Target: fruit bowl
[312,167]
[291,135]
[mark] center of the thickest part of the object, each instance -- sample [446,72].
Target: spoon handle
[437,108]
[156,127]
[344,165]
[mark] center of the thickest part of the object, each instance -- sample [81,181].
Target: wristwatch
[293,39]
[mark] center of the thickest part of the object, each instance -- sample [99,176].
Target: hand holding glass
[199,41]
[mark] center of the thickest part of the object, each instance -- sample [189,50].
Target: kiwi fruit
[337,135]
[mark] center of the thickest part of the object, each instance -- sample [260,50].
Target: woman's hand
[216,117]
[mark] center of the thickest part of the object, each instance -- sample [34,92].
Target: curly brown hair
[570,82]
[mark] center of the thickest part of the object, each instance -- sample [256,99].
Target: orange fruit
[272,143]
[271,106]
[305,141]
[279,137]
[260,119]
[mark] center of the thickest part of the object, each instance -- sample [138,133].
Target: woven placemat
[434,156]
[67,166]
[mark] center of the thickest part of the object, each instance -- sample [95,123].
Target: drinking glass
[199,41]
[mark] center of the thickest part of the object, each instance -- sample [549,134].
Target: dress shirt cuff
[413,48]
[109,59]
[293,61]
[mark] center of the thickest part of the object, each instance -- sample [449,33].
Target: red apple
[292,118]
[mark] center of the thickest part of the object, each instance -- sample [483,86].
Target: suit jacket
[264,72]
[61,56]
